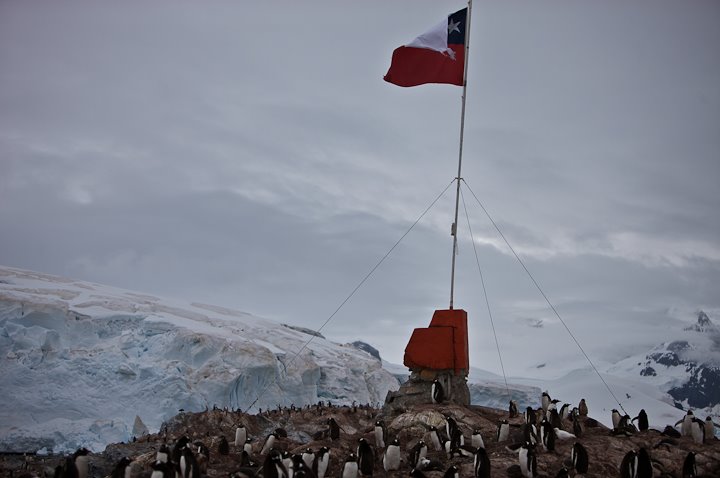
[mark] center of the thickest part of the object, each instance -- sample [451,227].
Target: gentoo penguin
[579,458]
[162,469]
[503,431]
[527,460]
[451,428]
[513,409]
[547,435]
[577,428]
[321,463]
[365,458]
[530,416]
[349,468]
[245,460]
[247,447]
[452,472]
[417,453]
[583,408]
[178,448]
[628,466]
[273,466]
[391,459]
[636,465]
[476,440]
[685,423]
[437,393]
[82,462]
[697,431]
[689,468]
[308,456]
[122,468]
[429,465]
[269,443]
[562,473]
[481,464]
[554,418]
[240,435]
[334,429]
[202,457]
[616,418]
[565,411]
[163,454]
[435,438]
[300,469]
[530,433]
[642,419]
[709,428]
[380,434]
[188,464]
[287,461]
[223,446]
[545,401]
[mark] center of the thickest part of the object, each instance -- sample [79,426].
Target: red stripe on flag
[418,66]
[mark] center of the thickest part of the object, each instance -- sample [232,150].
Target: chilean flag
[436,56]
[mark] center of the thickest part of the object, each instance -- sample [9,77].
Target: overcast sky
[249,154]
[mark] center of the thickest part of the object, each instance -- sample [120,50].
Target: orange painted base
[441,346]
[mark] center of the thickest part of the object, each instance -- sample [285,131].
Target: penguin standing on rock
[322,462]
[435,438]
[697,431]
[380,434]
[452,472]
[642,419]
[481,464]
[527,460]
[417,453]
[350,467]
[709,428]
[82,462]
[334,429]
[579,459]
[476,439]
[545,401]
[365,458]
[689,468]
[503,432]
[513,409]
[240,435]
[122,468]
[547,435]
[391,459]
[685,423]
[269,443]
[636,465]
[437,393]
[224,446]
[616,417]
[583,408]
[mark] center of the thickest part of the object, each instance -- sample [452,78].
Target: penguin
[240,435]
[545,401]
[300,469]
[562,473]
[527,460]
[321,463]
[579,458]
[247,447]
[429,465]
[709,428]
[476,440]
[689,468]
[308,456]
[554,418]
[686,421]
[245,460]
[615,418]
[188,464]
[697,431]
[628,466]
[503,431]
[122,468]
[82,462]
[269,443]
[417,453]
[273,466]
[163,454]
[365,458]
[380,434]
[583,408]
[224,446]
[391,459]
[577,428]
[565,411]
[287,461]
[513,409]
[334,429]
[644,464]
[562,434]
[547,435]
[451,427]
[452,472]
[642,419]
[437,393]
[481,463]
[530,416]
[435,438]
[202,457]
[162,469]
[530,433]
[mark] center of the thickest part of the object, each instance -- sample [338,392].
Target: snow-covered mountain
[686,368]
[79,362]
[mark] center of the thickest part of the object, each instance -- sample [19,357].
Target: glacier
[80,361]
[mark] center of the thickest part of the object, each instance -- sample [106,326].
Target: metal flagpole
[462,131]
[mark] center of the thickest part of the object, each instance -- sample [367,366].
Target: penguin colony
[553,440]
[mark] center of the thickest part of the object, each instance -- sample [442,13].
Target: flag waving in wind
[436,56]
